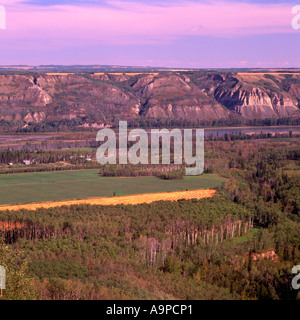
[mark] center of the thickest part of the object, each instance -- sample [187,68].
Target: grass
[253,232]
[82,184]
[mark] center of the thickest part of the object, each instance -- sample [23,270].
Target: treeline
[245,136]
[75,125]
[167,172]
[196,123]
[44,157]
[14,170]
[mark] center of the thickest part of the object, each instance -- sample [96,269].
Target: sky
[176,34]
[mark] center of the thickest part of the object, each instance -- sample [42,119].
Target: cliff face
[256,98]
[62,97]
[182,95]
[173,96]
[17,89]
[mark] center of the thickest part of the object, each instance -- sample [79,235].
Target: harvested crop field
[26,188]
[59,73]
[133,199]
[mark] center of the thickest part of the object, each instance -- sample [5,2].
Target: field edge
[125,200]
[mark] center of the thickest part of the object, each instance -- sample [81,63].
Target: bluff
[97,98]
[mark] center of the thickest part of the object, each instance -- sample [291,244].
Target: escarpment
[91,98]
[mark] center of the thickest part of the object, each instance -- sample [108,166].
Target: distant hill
[91,96]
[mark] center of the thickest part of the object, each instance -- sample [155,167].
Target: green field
[81,184]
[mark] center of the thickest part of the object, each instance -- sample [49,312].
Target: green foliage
[60,268]
[172,265]
[18,285]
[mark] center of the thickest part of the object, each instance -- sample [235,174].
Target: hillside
[242,243]
[92,99]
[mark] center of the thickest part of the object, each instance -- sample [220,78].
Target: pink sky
[31,27]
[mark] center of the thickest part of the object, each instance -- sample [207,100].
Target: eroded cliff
[107,97]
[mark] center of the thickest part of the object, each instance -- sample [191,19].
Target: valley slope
[95,99]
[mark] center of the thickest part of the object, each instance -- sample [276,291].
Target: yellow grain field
[127,74]
[11,67]
[106,201]
[144,73]
[58,74]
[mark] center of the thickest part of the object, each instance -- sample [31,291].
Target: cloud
[124,22]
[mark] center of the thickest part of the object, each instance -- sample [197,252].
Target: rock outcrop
[256,100]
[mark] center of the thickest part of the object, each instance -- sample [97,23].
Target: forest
[240,244]
[76,125]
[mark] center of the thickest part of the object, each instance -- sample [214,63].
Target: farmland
[83,184]
[126,200]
